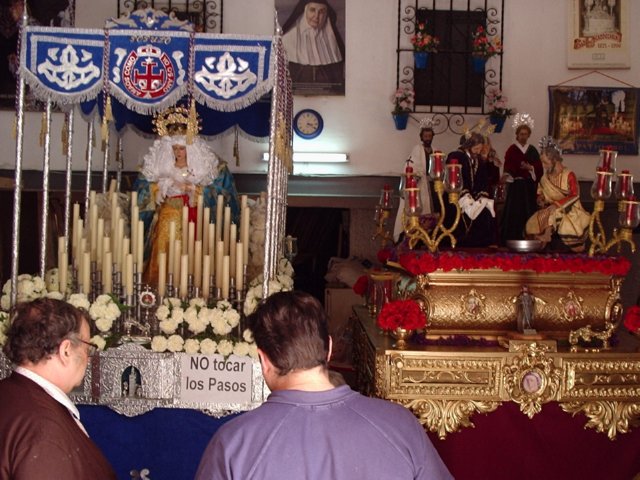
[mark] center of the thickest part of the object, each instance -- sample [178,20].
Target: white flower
[225,348]
[177,314]
[224,305]
[3,338]
[241,349]
[219,324]
[104,324]
[253,350]
[191,346]
[247,335]
[198,302]
[168,326]
[55,295]
[172,302]
[232,317]
[208,346]
[285,267]
[99,342]
[162,313]
[159,343]
[79,300]
[175,343]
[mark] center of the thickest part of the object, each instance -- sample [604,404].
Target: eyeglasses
[93,348]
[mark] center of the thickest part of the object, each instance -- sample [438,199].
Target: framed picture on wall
[54,13]
[587,119]
[598,34]
[313,37]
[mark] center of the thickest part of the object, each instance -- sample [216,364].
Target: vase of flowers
[423,44]
[401,318]
[498,109]
[403,103]
[483,48]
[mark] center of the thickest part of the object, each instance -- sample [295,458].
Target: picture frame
[584,120]
[317,67]
[55,13]
[598,34]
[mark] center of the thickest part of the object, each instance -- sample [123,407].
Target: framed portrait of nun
[313,37]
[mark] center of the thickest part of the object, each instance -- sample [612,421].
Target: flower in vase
[403,100]
[401,314]
[422,41]
[482,46]
[497,103]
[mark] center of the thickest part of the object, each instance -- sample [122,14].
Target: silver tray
[525,245]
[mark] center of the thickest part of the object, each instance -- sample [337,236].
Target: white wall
[360,122]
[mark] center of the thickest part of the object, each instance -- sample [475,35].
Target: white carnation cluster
[30,287]
[282,283]
[258,221]
[214,324]
[104,311]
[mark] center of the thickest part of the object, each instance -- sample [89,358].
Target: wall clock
[308,124]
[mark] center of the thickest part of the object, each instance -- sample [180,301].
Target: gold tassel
[43,129]
[236,148]
[65,134]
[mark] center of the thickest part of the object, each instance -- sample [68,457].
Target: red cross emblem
[148,73]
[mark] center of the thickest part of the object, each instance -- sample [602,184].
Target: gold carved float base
[446,386]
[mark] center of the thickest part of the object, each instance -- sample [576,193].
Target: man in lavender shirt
[307,428]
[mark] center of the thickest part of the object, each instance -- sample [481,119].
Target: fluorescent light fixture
[314,157]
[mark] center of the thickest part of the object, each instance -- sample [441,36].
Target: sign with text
[212,378]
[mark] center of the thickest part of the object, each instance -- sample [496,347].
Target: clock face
[308,124]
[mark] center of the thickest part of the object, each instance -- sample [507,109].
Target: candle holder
[381,217]
[628,207]
[170,288]
[452,184]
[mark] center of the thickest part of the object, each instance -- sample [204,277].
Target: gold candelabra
[628,206]
[445,178]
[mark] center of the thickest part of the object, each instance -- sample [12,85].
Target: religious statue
[176,171]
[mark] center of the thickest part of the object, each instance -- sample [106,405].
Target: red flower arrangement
[403,314]
[362,285]
[418,264]
[632,319]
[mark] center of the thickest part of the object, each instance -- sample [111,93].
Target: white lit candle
[100,243]
[63,265]
[206,274]
[184,268]
[74,230]
[162,273]
[219,207]
[239,269]
[246,217]
[199,212]
[185,229]
[86,273]
[176,265]
[140,246]
[219,256]
[172,246]
[227,227]
[225,277]
[107,272]
[197,264]
[232,249]
[191,246]
[205,230]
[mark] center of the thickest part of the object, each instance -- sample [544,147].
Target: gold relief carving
[612,417]
[380,378]
[446,295]
[459,377]
[447,416]
[472,305]
[531,379]
[587,334]
[602,380]
[571,307]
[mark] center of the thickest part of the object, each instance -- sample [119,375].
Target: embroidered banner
[231,72]
[62,64]
[148,68]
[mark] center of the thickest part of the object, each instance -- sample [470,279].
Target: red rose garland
[401,313]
